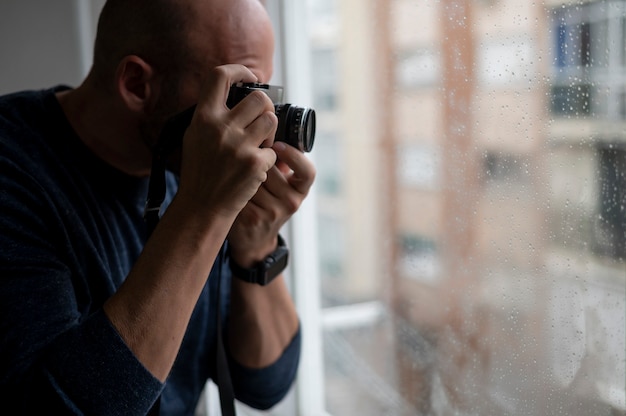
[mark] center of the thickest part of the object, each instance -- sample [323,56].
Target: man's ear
[136,83]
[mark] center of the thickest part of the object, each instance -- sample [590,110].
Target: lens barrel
[296,126]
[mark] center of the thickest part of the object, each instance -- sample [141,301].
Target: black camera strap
[224,382]
[154,200]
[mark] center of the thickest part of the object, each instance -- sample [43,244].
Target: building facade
[473,185]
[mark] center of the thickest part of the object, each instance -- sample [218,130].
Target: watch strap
[263,272]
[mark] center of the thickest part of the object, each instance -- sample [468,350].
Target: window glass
[417,68]
[471,205]
[588,57]
[417,166]
[326,80]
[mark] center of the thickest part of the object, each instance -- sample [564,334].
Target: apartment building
[473,181]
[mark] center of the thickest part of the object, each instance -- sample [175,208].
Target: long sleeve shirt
[71,228]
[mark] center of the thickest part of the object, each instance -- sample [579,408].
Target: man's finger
[217,85]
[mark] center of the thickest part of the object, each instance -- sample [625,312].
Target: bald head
[151,57]
[151,29]
[175,36]
[234,31]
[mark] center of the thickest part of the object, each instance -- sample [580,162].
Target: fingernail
[279,146]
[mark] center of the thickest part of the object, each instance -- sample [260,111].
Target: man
[97,318]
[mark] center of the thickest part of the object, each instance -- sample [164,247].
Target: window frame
[292,64]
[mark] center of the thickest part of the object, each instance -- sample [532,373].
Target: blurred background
[471,205]
[464,249]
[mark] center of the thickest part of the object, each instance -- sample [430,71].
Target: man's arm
[263,319]
[222,167]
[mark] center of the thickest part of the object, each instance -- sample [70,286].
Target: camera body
[296,125]
[240,90]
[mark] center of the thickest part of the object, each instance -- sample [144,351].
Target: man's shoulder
[22,106]
[26,115]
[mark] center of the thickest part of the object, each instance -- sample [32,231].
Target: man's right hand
[226,152]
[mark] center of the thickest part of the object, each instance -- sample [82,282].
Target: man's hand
[225,157]
[263,319]
[253,235]
[222,166]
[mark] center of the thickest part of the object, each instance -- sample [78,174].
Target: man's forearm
[151,310]
[263,321]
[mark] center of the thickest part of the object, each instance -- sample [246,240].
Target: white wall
[44,43]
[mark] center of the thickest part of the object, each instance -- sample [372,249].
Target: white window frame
[292,70]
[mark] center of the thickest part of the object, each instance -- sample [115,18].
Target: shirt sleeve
[87,369]
[59,353]
[263,388]
[92,368]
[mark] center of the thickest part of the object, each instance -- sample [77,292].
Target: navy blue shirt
[71,227]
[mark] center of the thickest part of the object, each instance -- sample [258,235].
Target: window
[418,258]
[505,61]
[471,246]
[417,166]
[329,179]
[417,68]
[324,62]
[588,59]
[506,167]
[612,200]
[568,100]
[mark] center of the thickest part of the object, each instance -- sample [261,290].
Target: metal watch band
[266,270]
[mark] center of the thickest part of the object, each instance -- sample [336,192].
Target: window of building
[329,179]
[506,167]
[418,166]
[417,68]
[326,82]
[623,42]
[331,250]
[571,101]
[418,258]
[611,239]
[588,60]
[505,60]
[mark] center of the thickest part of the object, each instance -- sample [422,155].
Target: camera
[296,125]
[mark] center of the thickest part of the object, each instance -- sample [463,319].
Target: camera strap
[154,200]
[224,382]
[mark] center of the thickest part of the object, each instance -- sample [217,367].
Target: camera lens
[296,126]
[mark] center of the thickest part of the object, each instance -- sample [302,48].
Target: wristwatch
[263,272]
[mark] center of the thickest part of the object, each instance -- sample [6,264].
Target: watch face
[264,271]
[274,264]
